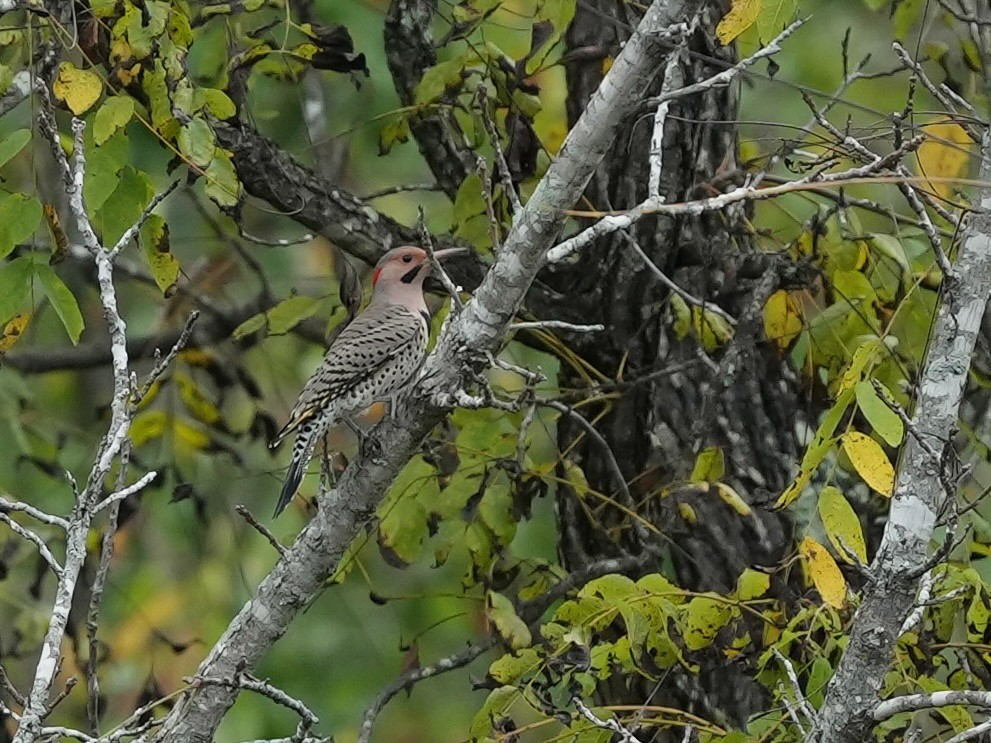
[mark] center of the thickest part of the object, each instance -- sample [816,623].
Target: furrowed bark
[300,574]
[919,495]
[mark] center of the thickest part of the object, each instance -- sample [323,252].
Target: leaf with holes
[12,331]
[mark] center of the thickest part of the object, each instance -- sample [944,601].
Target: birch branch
[919,492]
[478,329]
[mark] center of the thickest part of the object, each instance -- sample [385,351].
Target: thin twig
[37,541]
[436,267]
[625,736]
[37,514]
[164,362]
[555,325]
[131,232]
[689,298]
[125,492]
[245,514]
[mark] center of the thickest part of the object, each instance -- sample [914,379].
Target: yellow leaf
[13,331]
[195,401]
[710,328]
[732,499]
[870,461]
[741,16]
[191,437]
[148,426]
[842,525]
[825,573]
[782,319]
[944,154]
[78,89]
[688,513]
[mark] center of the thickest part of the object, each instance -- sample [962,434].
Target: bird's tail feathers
[293,479]
[306,441]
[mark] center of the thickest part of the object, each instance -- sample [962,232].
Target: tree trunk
[740,397]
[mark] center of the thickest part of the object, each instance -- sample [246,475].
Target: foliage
[467,530]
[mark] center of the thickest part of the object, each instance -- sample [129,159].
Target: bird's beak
[448,252]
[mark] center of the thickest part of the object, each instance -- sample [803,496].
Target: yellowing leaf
[78,89]
[13,331]
[705,617]
[944,154]
[825,573]
[842,525]
[752,584]
[509,626]
[870,461]
[711,328]
[782,319]
[709,465]
[741,16]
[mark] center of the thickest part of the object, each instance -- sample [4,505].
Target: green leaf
[63,301]
[509,669]
[774,16]
[197,142]
[112,116]
[124,207]
[282,318]
[842,525]
[891,247]
[885,421]
[509,626]
[496,706]
[216,101]
[19,217]
[12,144]
[396,130]
[819,675]
[704,618]
[222,183]
[103,164]
[15,286]
[154,238]
[469,200]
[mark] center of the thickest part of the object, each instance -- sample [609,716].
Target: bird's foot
[370,448]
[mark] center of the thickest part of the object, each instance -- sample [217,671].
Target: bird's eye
[407,258]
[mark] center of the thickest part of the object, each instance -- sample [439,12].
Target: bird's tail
[302,451]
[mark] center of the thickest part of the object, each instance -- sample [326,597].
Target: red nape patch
[375,276]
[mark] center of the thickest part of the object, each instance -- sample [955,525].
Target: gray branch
[480,328]
[846,714]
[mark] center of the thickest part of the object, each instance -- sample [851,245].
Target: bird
[374,358]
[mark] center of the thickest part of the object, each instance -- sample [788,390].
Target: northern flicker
[372,359]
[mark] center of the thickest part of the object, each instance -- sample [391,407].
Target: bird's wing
[373,339]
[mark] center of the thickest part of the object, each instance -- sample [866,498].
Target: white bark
[919,494]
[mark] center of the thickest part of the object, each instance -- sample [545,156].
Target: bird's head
[406,266]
